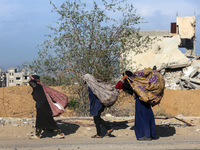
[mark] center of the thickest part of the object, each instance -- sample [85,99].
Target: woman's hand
[124,77]
[134,95]
[31,77]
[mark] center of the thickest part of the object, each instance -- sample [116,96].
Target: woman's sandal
[109,132]
[96,136]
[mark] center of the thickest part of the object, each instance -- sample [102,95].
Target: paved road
[110,143]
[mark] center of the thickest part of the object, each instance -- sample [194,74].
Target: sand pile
[17,102]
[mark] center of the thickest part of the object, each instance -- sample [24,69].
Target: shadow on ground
[162,131]
[71,128]
[66,128]
[116,126]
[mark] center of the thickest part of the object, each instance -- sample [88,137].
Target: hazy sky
[23,24]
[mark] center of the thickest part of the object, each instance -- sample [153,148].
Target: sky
[23,24]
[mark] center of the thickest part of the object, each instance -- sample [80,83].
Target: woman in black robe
[44,118]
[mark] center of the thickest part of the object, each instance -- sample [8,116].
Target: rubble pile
[184,76]
[179,70]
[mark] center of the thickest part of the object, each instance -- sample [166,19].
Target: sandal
[109,132]
[59,136]
[34,137]
[96,136]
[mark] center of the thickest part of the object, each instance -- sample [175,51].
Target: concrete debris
[17,121]
[182,77]
[80,121]
[181,71]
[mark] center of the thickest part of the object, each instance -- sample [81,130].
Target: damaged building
[181,71]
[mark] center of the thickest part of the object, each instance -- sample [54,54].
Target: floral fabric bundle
[149,85]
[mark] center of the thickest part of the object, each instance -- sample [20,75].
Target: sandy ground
[17,102]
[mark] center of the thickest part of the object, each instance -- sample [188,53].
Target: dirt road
[171,134]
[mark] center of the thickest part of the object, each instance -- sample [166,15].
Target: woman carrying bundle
[98,96]
[145,128]
[44,118]
[96,108]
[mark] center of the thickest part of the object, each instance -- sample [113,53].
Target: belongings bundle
[57,100]
[106,94]
[148,84]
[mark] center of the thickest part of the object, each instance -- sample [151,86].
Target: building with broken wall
[14,78]
[181,71]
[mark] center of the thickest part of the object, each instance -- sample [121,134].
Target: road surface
[107,143]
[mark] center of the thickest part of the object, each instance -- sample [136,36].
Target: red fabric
[57,97]
[119,85]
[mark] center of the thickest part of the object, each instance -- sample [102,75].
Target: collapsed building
[181,71]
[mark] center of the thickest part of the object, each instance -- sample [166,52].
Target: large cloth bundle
[149,85]
[57,100]
[106,94]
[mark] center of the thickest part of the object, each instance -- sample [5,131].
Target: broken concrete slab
[164,52]
[195,80]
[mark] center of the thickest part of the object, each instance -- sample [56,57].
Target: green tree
[88,38]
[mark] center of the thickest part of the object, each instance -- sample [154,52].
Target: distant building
[2,78]
[14,78]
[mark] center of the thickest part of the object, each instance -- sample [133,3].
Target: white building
[15,78]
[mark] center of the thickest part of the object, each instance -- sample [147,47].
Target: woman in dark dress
[96,108]
[44,118]
[145,128]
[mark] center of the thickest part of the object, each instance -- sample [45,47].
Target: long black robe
[44,118]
